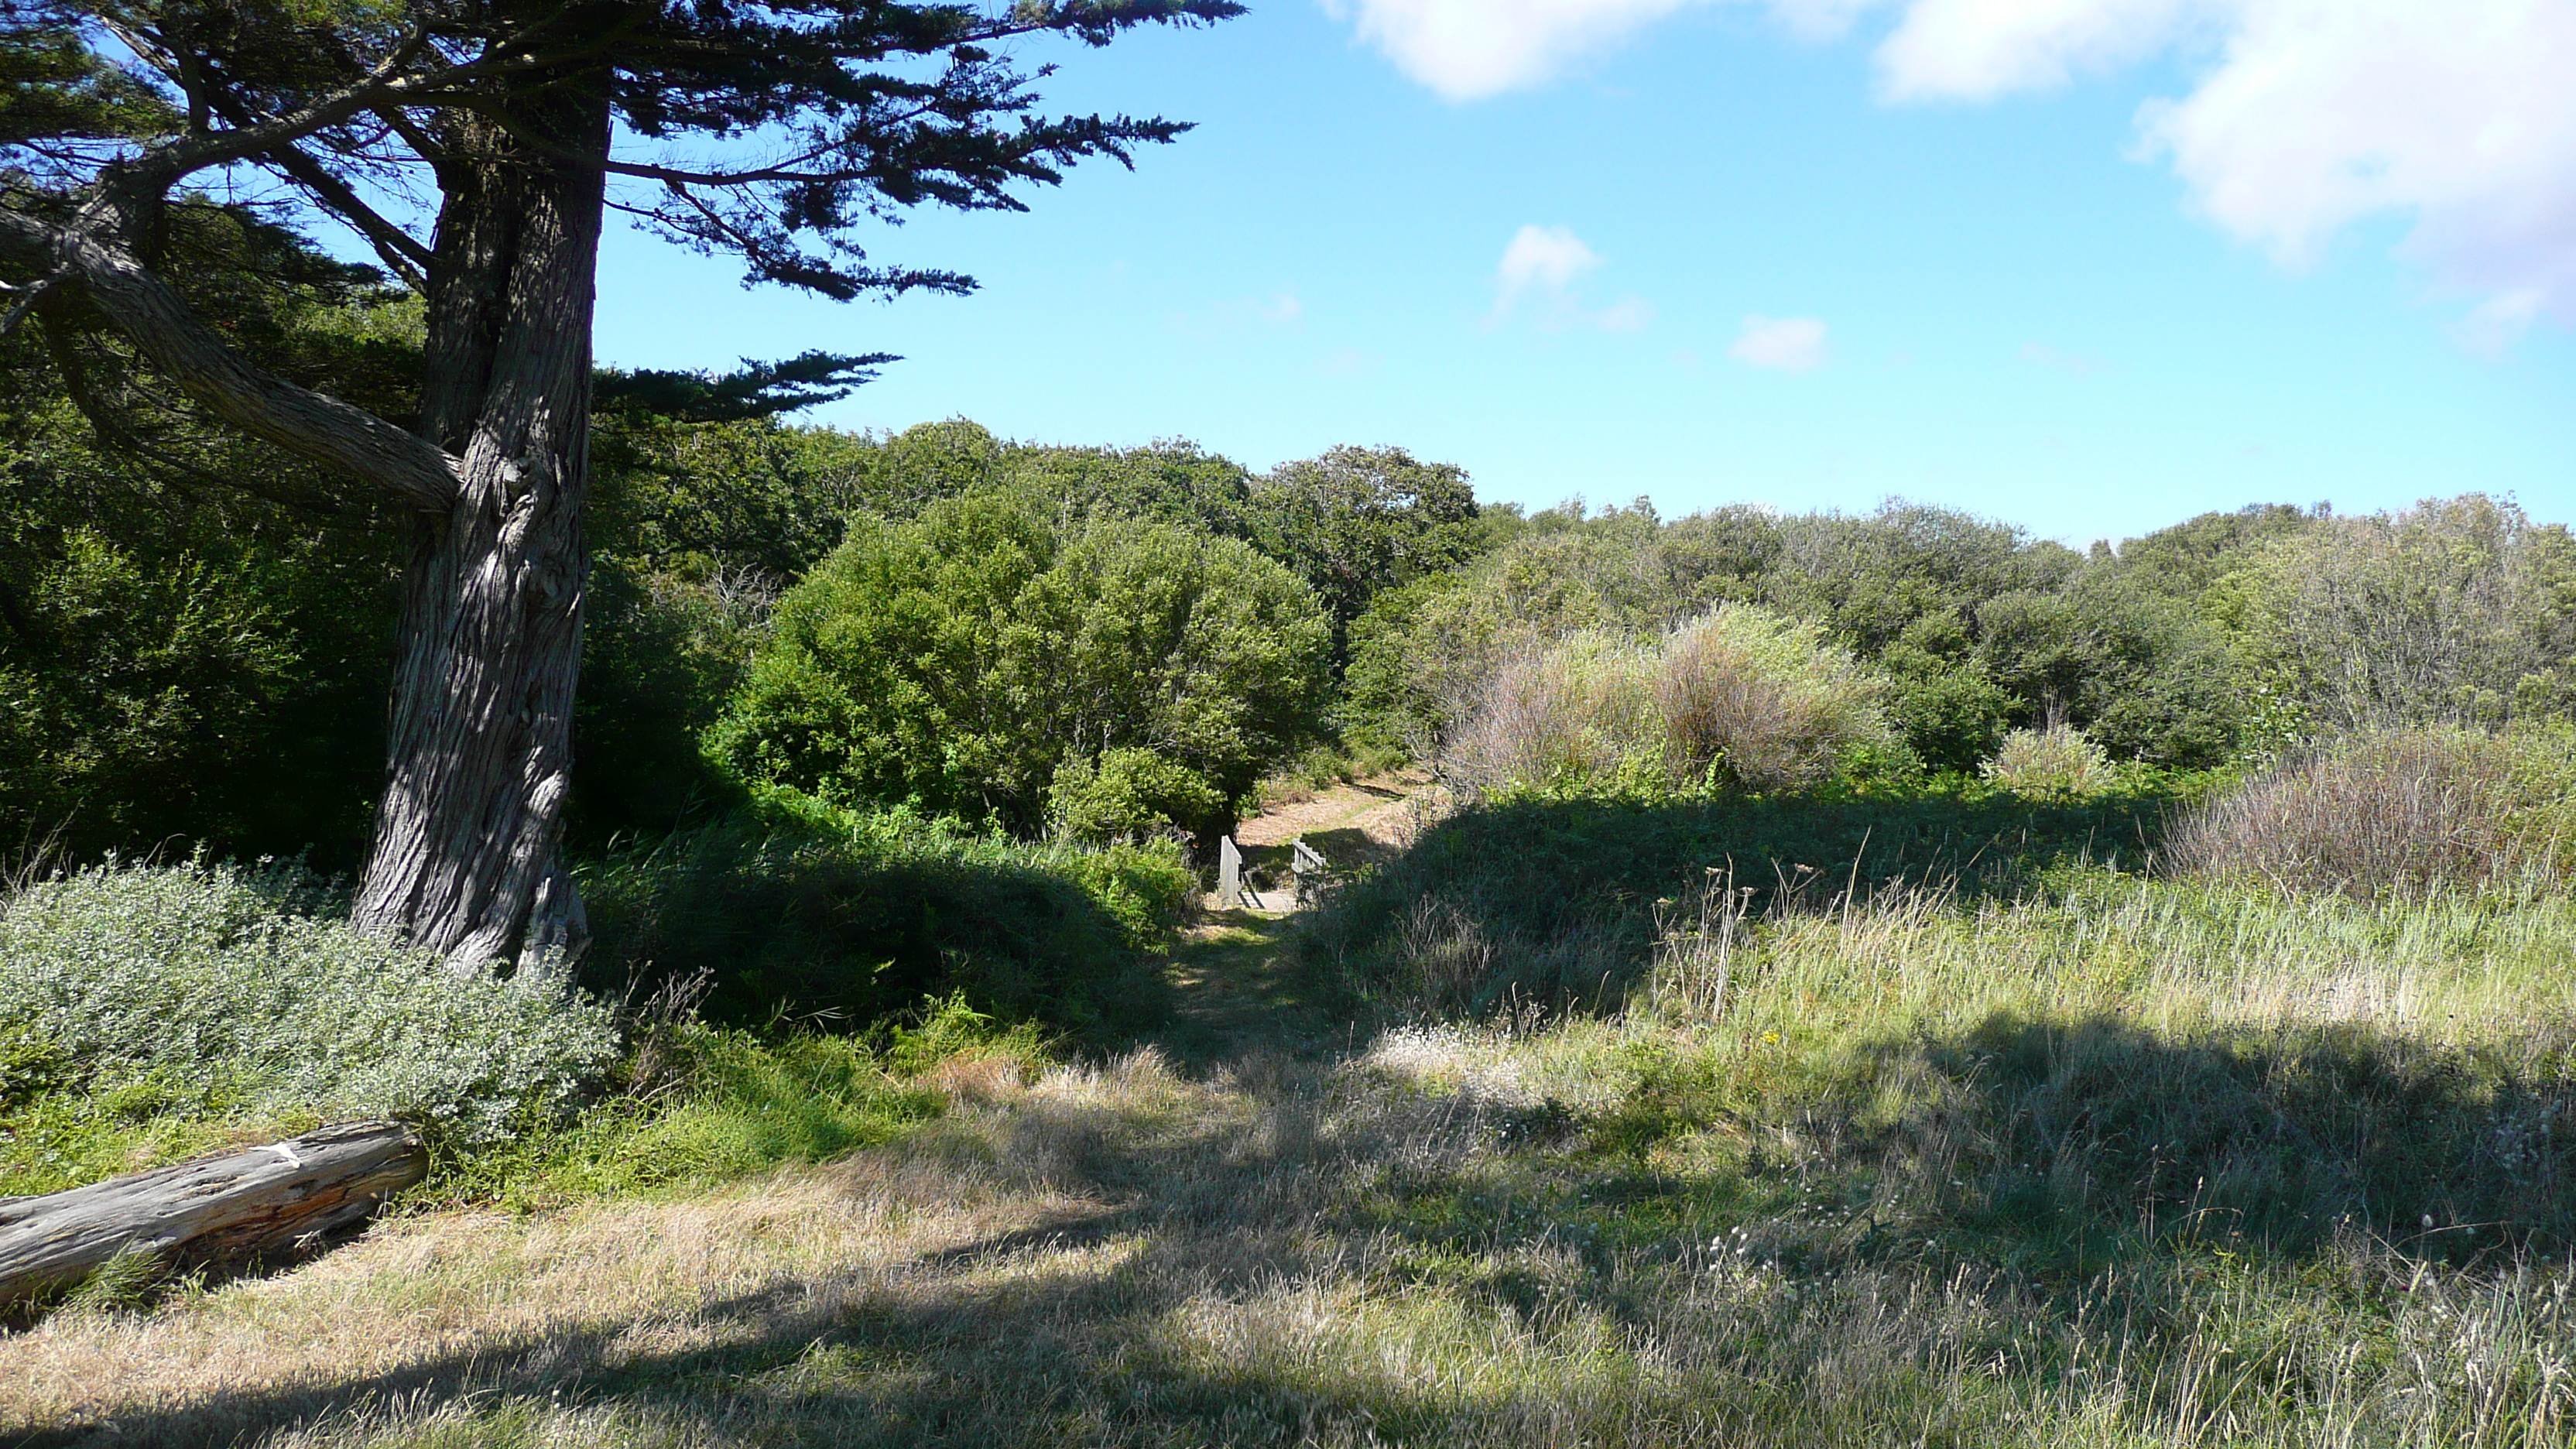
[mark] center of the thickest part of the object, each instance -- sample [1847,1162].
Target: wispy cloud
[1543,259]
[1540,274]
[2312,114]
[2066,362]
[1280,310]
[1781,344]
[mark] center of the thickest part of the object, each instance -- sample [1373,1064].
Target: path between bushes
[1351,824]
[681,1319]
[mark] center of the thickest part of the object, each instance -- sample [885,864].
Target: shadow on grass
[1319,1268]
[2069,1148]
[845,934]
[1557,903]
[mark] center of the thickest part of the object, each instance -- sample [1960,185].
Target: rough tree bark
[464,860]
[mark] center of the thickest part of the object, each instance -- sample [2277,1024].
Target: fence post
[1304,860]
[1229,877]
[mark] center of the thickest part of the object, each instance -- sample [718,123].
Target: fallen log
[216,1211]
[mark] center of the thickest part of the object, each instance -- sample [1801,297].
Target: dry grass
[1783,1217]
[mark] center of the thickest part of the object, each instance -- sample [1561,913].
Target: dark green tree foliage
[506,132]
[1357,521]
[193,625]
[956,662]
[1978,628]
[756,390]
[2184,561]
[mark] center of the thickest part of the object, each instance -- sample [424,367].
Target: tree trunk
[219,1210]
[479,741]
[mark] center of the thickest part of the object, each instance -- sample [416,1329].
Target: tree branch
[311,424]
[401,252]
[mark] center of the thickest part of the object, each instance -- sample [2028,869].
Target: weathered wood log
[262,1202]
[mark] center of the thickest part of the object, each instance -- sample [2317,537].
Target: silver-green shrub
[223,974]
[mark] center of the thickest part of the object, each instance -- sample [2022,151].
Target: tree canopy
[478,146]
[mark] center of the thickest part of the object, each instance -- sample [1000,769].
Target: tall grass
[1559,902]
[2116,1163]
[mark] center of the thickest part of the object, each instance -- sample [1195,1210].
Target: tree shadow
[2070,1145]
[811,931]
[1563,900]
[1182,1297]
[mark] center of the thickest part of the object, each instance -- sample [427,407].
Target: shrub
[2057,763]
[2460,610]
[1762,701]
[1740,699]
[1130,795]
[810,911]
[1578,717]
[955,663]
[214,973]
[2396,812]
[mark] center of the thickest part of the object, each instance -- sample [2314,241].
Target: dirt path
[1353,824]
[1011,1269]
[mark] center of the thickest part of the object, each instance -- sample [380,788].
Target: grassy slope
[2117,1163]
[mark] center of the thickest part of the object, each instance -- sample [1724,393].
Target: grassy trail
[1936,1174]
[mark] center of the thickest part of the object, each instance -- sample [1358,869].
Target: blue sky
[1738,272]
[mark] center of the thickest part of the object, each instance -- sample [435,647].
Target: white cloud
[1243,314]
[1979,49]
[2313,114]
[1782,344]
[1465,49]
[1541,258]
[1540,267]
[2494,326]
[2303,116]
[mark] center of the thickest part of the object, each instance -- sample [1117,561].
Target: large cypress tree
[477,146]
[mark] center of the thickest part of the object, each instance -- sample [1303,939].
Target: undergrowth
[811,913]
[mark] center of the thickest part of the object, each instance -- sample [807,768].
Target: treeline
[1105,643]
[2217,638]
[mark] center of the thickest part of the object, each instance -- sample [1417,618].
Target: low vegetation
[2118,1163]
[1869,980]
[2401,811]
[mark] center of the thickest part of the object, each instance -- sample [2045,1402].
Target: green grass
[840,918]
[2066,1156]
[1559,900]
[692,1107]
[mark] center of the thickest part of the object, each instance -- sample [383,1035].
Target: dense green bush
[1977,628]
[1128,795]
[194,626]
[217,974]
[955,663]
[812,912]
[2455,611]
